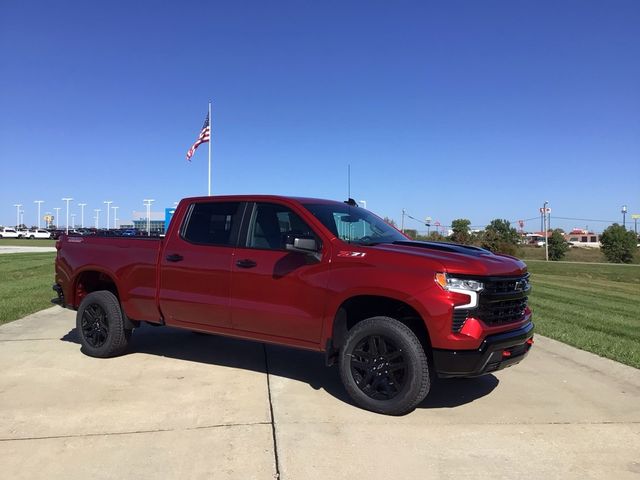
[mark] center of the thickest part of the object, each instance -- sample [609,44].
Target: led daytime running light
[455,284]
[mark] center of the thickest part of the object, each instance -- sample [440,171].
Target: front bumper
[489,357]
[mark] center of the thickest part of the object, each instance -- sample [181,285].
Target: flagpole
[210,140]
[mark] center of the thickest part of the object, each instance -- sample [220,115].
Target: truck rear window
[211,223]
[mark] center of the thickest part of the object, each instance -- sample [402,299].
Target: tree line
[618,244]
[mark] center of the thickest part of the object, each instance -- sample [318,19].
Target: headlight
[455,284]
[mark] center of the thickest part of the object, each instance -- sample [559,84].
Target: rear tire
[101,325]
[383,366]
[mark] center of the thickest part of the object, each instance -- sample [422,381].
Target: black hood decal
[447,247]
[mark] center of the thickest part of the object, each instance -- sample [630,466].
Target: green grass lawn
[25,242]
[592,307]
[25,284]
[574,254]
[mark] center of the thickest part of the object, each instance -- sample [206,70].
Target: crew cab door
[195,268]
[275,291]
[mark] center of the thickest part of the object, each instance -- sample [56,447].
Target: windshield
[354,225]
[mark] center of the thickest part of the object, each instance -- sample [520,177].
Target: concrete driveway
[23,249]
[188,406]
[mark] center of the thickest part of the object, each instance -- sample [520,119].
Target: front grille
[505,285]
[500,312]
[503,300]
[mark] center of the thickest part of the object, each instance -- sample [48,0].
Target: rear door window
[213,223]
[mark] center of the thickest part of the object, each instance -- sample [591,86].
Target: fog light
[506,353]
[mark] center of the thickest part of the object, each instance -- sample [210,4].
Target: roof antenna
[350,201]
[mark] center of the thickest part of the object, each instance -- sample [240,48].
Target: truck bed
[133,260]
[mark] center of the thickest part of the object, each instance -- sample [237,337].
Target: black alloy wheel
[95,326]
[101,325]
[384,366]
[378,367]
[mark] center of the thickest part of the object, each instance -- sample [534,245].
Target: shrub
[500,237]
[618,244]
[461,233]
[558,246]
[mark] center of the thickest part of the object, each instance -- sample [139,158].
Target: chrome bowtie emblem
[520,286]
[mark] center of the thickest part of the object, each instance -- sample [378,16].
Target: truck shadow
[299,365]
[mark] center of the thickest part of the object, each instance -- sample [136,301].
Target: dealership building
[159,220]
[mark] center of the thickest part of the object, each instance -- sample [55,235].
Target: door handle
[246,263]
[174,257]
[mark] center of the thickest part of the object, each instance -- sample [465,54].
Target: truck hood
[461,259]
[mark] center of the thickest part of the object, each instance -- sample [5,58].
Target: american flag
[205,133]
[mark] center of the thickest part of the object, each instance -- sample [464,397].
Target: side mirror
[302,244]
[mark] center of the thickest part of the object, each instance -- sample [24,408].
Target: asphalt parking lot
[189,406]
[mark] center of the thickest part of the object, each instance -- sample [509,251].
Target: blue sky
[473,109]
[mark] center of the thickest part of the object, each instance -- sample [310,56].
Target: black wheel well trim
[102,281]
[360,307]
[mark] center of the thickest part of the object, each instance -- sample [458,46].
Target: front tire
[100,325]
[383,366]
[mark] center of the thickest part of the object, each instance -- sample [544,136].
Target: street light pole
[67,199]
[147,202]
[115,217]
[39,202]
[97,210]
[17,205]
[364,204]
[635,217]
[57,209]
[541,220]
[82,205]
[402,222]
[108,203]
[73,220]
[546,232]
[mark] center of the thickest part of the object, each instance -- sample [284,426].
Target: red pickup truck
[315,274]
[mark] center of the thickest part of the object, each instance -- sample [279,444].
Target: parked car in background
[23,233]
[55,233]
[38,233]
[6,232]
